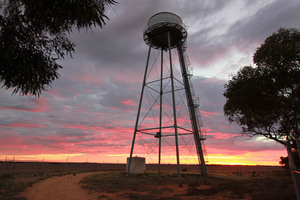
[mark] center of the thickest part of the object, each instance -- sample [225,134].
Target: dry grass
[266,186]
[223,182]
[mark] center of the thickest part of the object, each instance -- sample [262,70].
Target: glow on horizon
[211,159]
[238,160]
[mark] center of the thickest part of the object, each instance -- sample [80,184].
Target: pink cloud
[220,135]
[52,144]
[23,125]
[209,114]
[35,105]
[128,102]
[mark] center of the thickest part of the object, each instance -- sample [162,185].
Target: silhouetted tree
[284,161]
[265,100]
[33,37]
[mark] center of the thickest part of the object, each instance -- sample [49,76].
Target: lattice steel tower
[165,32]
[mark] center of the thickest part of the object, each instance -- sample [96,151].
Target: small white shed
[138,165]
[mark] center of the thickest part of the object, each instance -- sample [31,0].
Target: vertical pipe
[160,109]
[174,106]
[192,113]
[296,180]
[298,144]
[297,133]
[139,110]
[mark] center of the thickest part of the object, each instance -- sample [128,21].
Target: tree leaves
[265,100]
[281,50]
[33,38]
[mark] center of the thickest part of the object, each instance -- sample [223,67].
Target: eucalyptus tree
[265,99]
[33,36]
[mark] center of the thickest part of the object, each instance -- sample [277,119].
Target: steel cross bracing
[168,85]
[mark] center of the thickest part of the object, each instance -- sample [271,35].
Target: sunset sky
[89,112]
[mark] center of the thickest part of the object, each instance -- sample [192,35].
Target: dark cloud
[264,22]
[210,92]
[94,102]
[243,35]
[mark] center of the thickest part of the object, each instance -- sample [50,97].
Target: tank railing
[164,20]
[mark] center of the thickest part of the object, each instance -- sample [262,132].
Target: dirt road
[59,188]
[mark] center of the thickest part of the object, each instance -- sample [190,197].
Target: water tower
[165,34]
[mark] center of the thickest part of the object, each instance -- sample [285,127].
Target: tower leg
[174,107]
[160,109]
[191,106]
[139,110]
